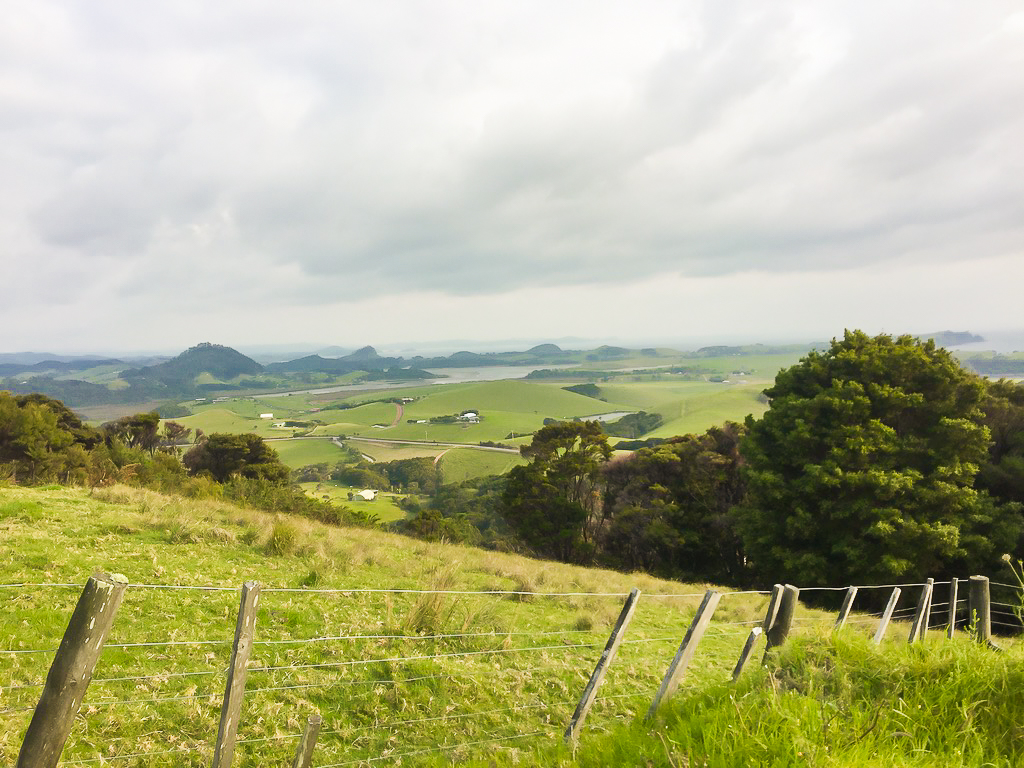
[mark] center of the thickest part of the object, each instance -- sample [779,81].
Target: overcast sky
[259,172]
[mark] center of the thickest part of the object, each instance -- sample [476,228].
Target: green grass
[405,690]
[393,451]
[509,407]
[385,506]
[302,452]
[459,464]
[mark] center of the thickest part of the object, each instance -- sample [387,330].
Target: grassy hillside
[458,464]
[484,669]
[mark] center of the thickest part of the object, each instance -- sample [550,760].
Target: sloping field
[394,451]
[435,669]
[700,412]
[358,420]
[459,464]
[431,654]
[302,452]
[511,395]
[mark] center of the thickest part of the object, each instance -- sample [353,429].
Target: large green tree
[553,503]
[862,470]
[670,507]
[223,455]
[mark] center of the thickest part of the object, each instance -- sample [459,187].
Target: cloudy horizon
[408,173]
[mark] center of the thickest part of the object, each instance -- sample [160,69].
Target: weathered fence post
[924,606]
[234,691]
[748,649]
[954,588]
[590,691]
[71,671]
[304,753]
[773,607]
[979,606]
[844,611]
[883,623]
[777,633]
[677,668]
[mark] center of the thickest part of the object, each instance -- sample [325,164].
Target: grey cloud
[389,148]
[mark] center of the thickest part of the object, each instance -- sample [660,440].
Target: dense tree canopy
[552,503]
[224,455]
[863,468]
[670,507]
[1002,474]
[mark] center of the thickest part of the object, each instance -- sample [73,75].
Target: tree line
[878,459]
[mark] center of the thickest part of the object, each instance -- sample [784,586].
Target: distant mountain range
[207,368]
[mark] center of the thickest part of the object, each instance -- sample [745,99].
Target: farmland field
[459,464]
[385,506]
[302,452]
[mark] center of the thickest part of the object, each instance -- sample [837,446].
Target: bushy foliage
[553,502]
[669,507]
[863,468]
[223,455]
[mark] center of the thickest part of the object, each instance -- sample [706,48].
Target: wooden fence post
[773,608]
[748,649]
[980,608]
[883,623]
[231,707]
[71,671]
[844,611]
[304,753]
[954,588]
[677,668]
[776,635]
[924,606]
[590,691]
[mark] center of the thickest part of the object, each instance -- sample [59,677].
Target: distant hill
[952,338]
[545,349]
[56,366]
[218,361]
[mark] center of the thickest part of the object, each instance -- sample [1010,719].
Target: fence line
[568,655]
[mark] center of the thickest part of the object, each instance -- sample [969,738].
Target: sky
[259,173]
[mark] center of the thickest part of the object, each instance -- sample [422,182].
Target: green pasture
[701,411]
[359,420]
[222,419]
[510,407]
[459,464]
[302,452]
[385,506]
[383,452]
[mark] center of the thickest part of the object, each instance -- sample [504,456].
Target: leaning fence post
[748,649]
[234,691]
[590,692]
[778,632]
[71,671]
[924,606]
[954,588]
[980,608]
[844,611]
[773,608]
[304,753]
[883,623]
[677,668]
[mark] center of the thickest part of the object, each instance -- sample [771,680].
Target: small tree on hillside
[863,468]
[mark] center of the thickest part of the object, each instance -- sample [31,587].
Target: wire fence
[398,675]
